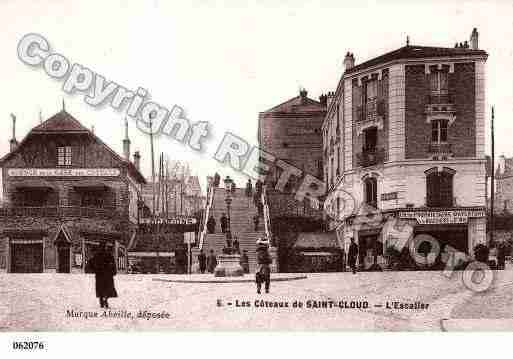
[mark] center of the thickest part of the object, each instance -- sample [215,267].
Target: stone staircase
[242,212]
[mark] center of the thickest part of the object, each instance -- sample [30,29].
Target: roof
[317,240]
[298,104]
[60,122]
[416,52]
[63,122]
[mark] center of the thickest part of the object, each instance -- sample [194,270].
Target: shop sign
[442,217]
[63,172]
[388,196]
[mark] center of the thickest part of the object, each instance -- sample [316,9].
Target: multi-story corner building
[405,134]
[65,191]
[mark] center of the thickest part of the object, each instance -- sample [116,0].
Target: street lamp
[228,201]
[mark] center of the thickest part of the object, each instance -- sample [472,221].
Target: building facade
[65,192]
[404,138]
[503,203]
[291,132]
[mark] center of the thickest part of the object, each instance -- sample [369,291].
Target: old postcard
[255,166]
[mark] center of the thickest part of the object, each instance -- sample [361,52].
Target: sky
[226,61]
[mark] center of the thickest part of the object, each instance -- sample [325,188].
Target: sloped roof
[417,52]
[60,122]
[298,104]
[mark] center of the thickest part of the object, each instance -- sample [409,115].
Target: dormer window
[64,156]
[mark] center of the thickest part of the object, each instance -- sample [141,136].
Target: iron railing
[372,157]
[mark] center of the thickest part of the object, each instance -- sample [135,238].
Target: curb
[223,281]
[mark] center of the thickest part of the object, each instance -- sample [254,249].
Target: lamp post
[228,201]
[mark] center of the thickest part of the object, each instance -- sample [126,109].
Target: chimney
[323,99]
[13,142]
[330,98]
[126,143]
[303,93]
[137,160]
[474,39]
[349,61]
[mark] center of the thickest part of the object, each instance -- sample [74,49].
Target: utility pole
[492,182]
[154,225]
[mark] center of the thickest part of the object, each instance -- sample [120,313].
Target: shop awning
[33,184]
[317,240]
[88,185]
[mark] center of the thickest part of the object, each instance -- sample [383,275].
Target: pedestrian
[211,261]
[258,187]
[234,186]
[224,223]
[351,255]
[235,244]
[244,261]
[256,219]
[104,268]
[202,260]
[501,256]
[249,188]
[217,179]
[263,273]
[211,224]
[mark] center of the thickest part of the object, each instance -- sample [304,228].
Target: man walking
[211,224]
[211,262]
[249,188]
[264,261]
[244,261]
[202,260]
[351,255]
[224,222]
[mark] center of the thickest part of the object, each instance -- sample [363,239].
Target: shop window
[64,156]
[439,191]
[439,131]
[371,191]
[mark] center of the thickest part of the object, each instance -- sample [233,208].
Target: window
[370,139]
[439,188]
[64,156]
[439,131]
[438,82]
[92,199]
[371,90]
[371,191]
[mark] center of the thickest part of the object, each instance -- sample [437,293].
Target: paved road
[41,302]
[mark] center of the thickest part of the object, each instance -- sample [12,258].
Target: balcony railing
[60,211]
[368,158]
[371,110]
[439,98]
[440,148]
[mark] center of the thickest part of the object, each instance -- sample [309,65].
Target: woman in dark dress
[104,268]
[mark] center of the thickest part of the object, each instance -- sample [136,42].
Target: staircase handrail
[210,200]
[267,217]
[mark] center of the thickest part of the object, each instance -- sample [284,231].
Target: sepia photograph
[255,166]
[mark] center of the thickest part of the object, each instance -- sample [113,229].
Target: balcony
[373,110]
[368,158]
[440,104]
[436,98]
[440,148]
[61,211]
